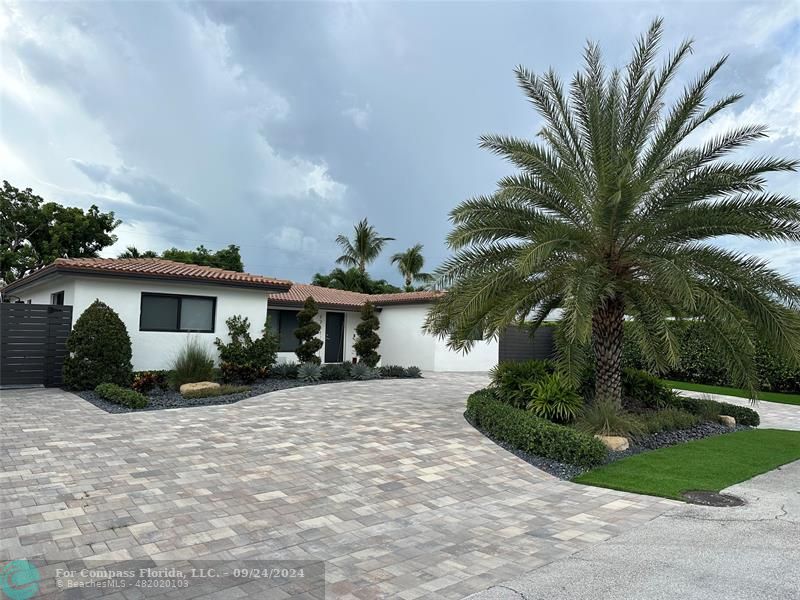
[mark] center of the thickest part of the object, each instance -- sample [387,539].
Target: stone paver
[382,480]
[773,414]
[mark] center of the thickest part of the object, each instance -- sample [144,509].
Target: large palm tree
[612,214]
[364,248]
[410,264]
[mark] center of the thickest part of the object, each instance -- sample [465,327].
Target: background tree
[354,280]
[99,350]
[364,248]
[133,252]
[33,233]
[367,340]
[612,214]
[307,333]
[228,258]
[410,264]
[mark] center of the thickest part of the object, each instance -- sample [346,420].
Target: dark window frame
[180,298]
[55,297]
[277,329]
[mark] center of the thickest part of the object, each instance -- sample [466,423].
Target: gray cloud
[278,125]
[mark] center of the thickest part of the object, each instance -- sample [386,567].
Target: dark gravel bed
[161,399]
[662,439]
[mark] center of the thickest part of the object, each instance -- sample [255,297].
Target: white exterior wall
[153,349]
[350,321]
[404,343]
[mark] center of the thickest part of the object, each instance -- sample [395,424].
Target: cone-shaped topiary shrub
[306,332]
[99,350]
[367,341]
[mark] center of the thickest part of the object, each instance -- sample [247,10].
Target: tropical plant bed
[707,465]
[160,399]
[662,439]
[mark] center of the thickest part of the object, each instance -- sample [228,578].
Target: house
[164,302]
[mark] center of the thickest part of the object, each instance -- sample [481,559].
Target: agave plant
[309,372]
[362,372]
[614,214]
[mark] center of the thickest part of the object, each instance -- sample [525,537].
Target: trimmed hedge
[531,434]
[222,390]
[700,363]
[120,395]
[711,409]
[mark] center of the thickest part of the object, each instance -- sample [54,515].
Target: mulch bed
[661,439]
[162,399]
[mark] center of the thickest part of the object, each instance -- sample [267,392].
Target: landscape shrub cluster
[120,395]
[244,358]
[529,433]
[699,363]
[223,390]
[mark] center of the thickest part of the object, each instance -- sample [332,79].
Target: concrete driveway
[382,480]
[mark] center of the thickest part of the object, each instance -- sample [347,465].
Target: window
[284,322]
[57,298]
[171,312]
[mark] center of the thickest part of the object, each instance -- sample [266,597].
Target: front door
[334,337]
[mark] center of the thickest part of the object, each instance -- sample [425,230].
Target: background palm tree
[611,214]
[410,264]
[133,252]
[363,249]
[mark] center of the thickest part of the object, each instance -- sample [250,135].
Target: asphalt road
[691,552]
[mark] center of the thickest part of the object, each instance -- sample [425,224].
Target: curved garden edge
[170,399]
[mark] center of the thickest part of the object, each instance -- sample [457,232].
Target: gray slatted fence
[516,344]
[32,343]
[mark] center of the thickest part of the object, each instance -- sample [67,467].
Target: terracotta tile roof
[152,268]
[332,298]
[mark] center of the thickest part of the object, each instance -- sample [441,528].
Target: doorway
[334,337]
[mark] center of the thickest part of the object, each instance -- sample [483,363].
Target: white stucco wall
[404,343]
[153,349]
[350,321]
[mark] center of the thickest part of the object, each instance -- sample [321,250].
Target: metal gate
[517,344]
[33,343]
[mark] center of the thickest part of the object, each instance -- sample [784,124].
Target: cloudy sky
[276,126]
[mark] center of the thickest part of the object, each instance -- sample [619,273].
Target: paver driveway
[382,480]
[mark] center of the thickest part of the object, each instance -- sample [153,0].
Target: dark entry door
[334,337]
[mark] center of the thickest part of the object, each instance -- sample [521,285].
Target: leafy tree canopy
[363,249]
[227,258]
[33,233]
[354,280]
[613,214]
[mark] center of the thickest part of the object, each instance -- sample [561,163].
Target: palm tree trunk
[607,332]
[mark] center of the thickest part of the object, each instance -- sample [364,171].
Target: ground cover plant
[710,464]
[120,395]
[223,390]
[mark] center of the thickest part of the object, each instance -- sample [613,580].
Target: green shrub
[553,398]
[286,370]
[533,435]
[243,358]
[643,391]
[701,363]
[362,372]
[367,340]
[307,333]
[193,363]
[120,395]
[99,350]
[413,372]
[510,378]
[335,372]
[604,418]
[309,372]
[668,419]
[147,381]
[223,390]
[392,371]
[710,410]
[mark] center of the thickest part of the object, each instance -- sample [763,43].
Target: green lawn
[710,464]
[729,391]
